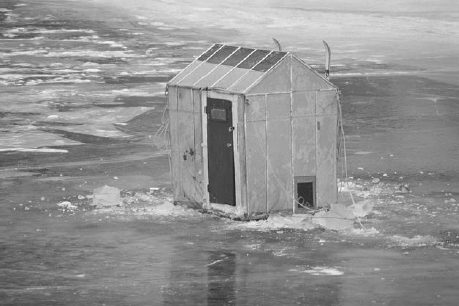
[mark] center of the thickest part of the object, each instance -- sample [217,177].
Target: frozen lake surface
[81,97]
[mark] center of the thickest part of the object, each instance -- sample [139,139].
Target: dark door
[220,151]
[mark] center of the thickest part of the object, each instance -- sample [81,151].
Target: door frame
[205,153]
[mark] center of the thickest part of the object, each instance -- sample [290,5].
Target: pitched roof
[234,69]
[228,67]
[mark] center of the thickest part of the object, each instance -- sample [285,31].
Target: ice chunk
[67,205]
[339,217]
[362,208]
[296,221]
[106,196]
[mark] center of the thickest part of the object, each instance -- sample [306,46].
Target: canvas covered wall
[291,131]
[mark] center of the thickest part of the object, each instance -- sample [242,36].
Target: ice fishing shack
[254,129]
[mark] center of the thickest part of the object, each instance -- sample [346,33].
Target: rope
[345,156]
[161,138]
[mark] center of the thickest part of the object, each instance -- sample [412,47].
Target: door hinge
[206,109]
[208,187]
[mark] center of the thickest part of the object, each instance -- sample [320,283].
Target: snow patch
[416,241]
[366,189]
[320,271]
[165,209]
[365,232]
[66,205]
[39,150]
[148,205]
[276,222]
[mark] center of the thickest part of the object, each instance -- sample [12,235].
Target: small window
[218,114]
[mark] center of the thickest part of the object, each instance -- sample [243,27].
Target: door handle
[229,145]
[230,129]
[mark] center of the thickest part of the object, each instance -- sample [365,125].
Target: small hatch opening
[305,194]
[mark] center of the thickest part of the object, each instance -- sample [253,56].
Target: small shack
[254,129]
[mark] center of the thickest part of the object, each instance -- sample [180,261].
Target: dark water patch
[85,153]
[10,119]
[146,123]
[224,271]
[66,106]
[108,168]
[162,46]
[136,79]
[85,138]
[66,35]
[354,66]
[221,278]
[133,101]
[20,36]
[21,114]
[400,104]
[8,5]
[27,69]
[163,54]
[364,86]
[90,164]
[181,63]
[102,60]
[55,123]
[39,171]
[383,86]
